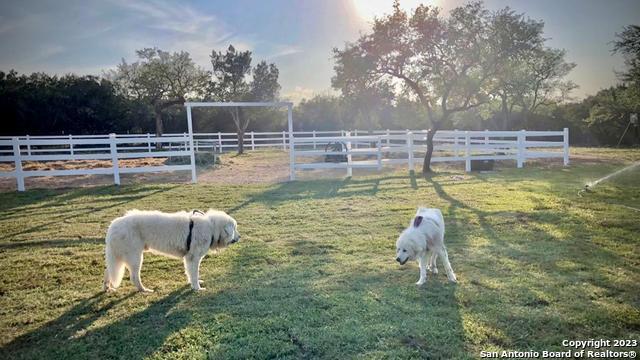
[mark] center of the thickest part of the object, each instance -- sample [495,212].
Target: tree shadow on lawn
[327,189]
[70,336]
[117,197]
[304,305]
[313,303]
[526,274]
[47,198]
[51,243]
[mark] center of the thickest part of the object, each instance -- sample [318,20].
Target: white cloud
[283,50]
[298,94]
[168,15]
[47,51]
[175,27]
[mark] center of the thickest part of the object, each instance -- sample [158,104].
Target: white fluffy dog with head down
[186,235]
[425,233]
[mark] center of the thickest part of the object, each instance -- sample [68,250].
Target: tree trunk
[158,116]
[525,118]
[426,165]
[372,144]
[240,141]
[159,129]
[505,114]
[235,114]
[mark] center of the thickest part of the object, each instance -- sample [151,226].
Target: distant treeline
[41,104]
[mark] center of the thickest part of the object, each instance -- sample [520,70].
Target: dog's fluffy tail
[115,267]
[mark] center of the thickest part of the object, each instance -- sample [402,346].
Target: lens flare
[368,9]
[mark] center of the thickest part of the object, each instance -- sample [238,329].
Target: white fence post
[355,133]
[486,137]
[71,146]
[253,144]
[379,144]
[410,150]
[284,141]
[467,152]
[292,155]
[521,148]
[18,163]
[220,141]
[349,169]
[565,140]
[28,147]
[148,142]
[455,144]
[388,133]
[314,139]
[192,154]
[114,158]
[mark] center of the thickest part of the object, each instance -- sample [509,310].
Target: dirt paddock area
[256,167]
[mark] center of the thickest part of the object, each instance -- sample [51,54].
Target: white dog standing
[425,232]
[186,235]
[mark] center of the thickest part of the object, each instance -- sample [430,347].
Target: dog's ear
[229,228]
[417,221]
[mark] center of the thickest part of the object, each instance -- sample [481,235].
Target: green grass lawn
[315,276]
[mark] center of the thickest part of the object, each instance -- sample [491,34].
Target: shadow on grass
[52,243]
[117,197]
[523,255]
[303,306]
[73,334]
[324,189]
[315,304]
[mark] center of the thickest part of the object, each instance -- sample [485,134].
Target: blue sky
[86,36]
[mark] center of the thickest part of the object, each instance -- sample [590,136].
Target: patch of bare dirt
[83,164]
[254,167]
[76,181]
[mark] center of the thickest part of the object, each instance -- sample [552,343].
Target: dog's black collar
[189,236]
[191,228]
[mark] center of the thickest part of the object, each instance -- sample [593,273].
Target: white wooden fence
[93,147]
[228,141]
[374,151]
[364,149]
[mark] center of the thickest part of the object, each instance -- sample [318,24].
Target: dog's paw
[420,282]
[453,278]
[434,270]
[200,282]
[199,289]
[145,290]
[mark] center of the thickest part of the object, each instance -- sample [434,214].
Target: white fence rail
[94,147]
[203,142]
[363,149]
[374,151]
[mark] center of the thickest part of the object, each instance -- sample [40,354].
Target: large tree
[231,71]
[161,79]
[365,101]
[628,44]
[448,64]
[532,81]
[321,112]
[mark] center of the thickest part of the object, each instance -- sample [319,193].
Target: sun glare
[368,9]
